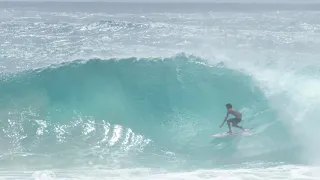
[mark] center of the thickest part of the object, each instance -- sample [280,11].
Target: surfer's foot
[230,132]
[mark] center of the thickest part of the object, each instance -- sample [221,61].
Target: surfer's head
[228,106]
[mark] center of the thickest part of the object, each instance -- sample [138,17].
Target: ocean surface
[119,91]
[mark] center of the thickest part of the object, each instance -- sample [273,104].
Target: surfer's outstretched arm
[225,119]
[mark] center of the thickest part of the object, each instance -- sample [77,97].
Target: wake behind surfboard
[239,133]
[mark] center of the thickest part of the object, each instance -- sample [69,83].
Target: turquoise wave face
[128,111]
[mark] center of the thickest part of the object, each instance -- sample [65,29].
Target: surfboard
[225,134]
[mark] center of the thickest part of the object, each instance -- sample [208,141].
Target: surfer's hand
[220,125]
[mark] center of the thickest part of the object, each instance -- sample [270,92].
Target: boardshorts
[235,120]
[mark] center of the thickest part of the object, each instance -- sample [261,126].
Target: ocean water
[135,90]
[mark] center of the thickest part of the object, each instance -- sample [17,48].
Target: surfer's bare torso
[235,113]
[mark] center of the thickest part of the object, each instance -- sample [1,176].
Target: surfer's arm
[225,119]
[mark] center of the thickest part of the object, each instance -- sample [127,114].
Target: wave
[124,112]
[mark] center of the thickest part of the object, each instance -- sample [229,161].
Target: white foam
[274,173]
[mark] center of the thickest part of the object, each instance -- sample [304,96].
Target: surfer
[235,121]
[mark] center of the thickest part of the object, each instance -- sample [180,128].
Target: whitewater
[135,90]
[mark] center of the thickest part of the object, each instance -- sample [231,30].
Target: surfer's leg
[240,127]
[235,123]
[228,121]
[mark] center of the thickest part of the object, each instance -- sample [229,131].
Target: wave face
[125,112]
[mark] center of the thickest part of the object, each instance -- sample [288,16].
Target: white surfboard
[239,133]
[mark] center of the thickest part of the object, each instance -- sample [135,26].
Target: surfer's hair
[228,105]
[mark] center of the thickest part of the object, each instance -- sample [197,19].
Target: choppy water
[134,91]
